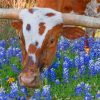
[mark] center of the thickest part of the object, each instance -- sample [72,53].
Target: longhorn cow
[39,29]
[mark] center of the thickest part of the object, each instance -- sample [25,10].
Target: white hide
[34,19]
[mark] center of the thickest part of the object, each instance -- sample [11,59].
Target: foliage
[73,75]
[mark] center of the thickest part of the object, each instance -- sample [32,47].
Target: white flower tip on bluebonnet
[46,88]
[52,69]
[87,86]
[98,59]
[45,69]
[82,66]
[98,95]
[2,89]
[78,85]
[82,83]
[37,90]
[14,85]
[32,99]
[98,92]
[57,81]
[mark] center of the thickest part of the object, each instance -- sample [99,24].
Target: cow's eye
[19,37]
[52,41]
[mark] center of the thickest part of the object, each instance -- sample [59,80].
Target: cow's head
[38,31]
[38,34]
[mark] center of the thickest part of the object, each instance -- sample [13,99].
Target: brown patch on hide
[32,48]
[65,6]
[41,28]
[28,27]
[50,14]
[17,25]
[31,11]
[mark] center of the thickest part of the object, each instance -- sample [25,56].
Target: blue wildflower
[57,81]
[46,92]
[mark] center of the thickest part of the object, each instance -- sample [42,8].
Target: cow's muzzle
[30,78]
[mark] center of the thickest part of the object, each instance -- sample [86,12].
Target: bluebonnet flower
[65,64]
[2,49]
[82,54]
[84,88]
[82,84]
[14,67]
[75,45]
[98,95]
[55,65]
[88,96]
[14,42]
[87,89]
[52,74]
[14,85]
[9,52]
[94,67]
[14,90]
[37,95]
[79,44]
[97,66]
[57,81]
[24,90]
[21,98]
[46,92]
[77,61]
[65,72]
[82,70]
[92,54]
[86,59]
[75,77]
[1,98]
[63,44]
[91,41]
[78,90]
[81,61]
[44,74]
[0,65]
[3,43]
[2,55]
[5,61]
[68,61]
[2,92]
[14,52]
[19,55]
[58,55]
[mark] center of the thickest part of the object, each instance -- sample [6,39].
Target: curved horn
[81,20]
[9,13]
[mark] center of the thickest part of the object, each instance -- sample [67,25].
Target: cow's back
[77,6]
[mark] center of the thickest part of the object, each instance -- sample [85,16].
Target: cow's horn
[81,20]
[9,13]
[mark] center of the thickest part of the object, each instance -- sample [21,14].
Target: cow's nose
[29,80]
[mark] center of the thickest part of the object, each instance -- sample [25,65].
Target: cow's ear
[17,25]
[73,32]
